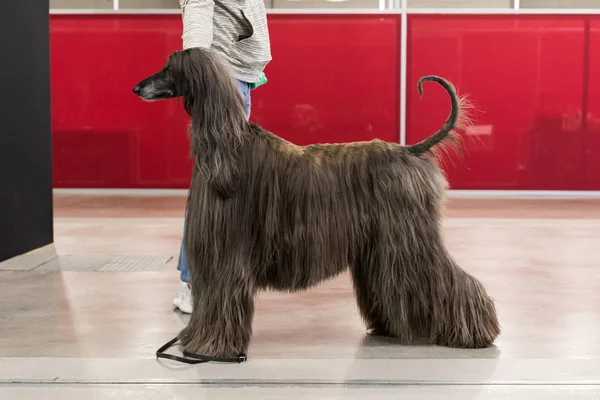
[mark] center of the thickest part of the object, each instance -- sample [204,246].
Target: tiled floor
[90,333]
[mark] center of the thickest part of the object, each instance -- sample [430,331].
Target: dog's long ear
[219,124]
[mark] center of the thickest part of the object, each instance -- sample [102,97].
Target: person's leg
[245,91]
[183,300]
[182,262]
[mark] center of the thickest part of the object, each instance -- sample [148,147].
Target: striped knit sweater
[237,29]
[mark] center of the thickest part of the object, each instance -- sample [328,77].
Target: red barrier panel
[332,78]
[592,146]
[103,135]
[526,75]
[335,78]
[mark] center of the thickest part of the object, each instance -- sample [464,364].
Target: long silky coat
[264,213]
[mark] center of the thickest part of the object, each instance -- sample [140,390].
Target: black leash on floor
[191,358]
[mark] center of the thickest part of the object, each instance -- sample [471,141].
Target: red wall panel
[103,135]
[332,79]
[526,77]
[592,150]
[335,78]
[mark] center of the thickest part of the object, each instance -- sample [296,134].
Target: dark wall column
[25,137]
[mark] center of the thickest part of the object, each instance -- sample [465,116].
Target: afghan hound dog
[263,213]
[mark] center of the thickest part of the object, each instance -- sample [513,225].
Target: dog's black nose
[137,89]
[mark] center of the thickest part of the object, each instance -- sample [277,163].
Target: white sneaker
[183,300]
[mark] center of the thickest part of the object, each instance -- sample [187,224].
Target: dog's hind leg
[407,285]
[418,294]
[382,296]
[466,316]
[367,298]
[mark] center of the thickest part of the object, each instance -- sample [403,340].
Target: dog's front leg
[221,320]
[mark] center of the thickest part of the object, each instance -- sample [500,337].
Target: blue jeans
[182,263]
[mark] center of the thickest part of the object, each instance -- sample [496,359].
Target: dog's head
[197,75]
[211,97]
[167,83]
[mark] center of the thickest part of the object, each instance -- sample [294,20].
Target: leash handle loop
[192,358]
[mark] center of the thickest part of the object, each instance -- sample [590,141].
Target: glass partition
[336,4]
[323,3]
[133,4]
[82,4]
[560,4]
[460,3]
[174,4]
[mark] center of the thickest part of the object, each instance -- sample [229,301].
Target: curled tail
[456,120]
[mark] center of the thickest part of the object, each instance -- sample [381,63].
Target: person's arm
[197,18]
